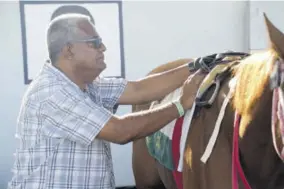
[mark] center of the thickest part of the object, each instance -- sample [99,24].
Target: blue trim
[22,4]
[24,43]
[121,39]
[66,2]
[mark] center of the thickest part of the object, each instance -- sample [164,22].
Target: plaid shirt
[57,126]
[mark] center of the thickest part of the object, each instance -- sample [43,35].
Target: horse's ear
[276,37]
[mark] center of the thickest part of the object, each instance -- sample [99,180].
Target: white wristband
[179,108]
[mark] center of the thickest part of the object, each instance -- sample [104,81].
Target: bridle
[277,79]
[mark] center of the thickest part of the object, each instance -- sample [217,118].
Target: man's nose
[103,47]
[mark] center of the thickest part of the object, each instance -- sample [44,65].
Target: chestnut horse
[252,100]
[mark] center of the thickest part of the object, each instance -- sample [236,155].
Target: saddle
[218,67]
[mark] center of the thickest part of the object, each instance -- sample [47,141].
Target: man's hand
[189,89]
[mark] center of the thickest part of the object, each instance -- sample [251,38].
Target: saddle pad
[160,143]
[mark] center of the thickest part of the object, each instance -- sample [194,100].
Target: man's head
[74,44]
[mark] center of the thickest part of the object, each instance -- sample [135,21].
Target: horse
[258,149]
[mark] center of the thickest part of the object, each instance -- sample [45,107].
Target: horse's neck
[256,147]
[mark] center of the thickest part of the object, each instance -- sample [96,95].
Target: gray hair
[62,30]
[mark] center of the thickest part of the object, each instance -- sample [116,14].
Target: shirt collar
[59,75]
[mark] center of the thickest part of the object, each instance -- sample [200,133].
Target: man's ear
[67,51]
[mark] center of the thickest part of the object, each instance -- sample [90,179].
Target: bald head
[64,29]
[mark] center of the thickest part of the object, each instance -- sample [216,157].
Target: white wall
[154,33]
[258,33]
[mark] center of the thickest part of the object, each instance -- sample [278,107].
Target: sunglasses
[96,42]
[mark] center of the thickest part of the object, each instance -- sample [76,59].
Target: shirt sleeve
[110,90]
[73,117]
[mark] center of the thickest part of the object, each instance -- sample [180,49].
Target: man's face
[88,53]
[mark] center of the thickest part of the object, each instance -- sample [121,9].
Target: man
[65,126]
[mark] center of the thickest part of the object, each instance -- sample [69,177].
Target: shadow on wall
[65,9]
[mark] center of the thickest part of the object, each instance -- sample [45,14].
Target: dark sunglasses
[96,42]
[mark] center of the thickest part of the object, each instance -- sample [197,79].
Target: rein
[277,78]
[236,165]
[277,118]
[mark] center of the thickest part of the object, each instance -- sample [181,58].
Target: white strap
[215,133]
[185,128]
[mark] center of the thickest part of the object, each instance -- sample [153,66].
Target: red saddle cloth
[176,151]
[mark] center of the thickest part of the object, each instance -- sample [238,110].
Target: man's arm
[155,86]
[124,129]
[140,124]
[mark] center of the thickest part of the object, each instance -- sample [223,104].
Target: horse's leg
[144,167]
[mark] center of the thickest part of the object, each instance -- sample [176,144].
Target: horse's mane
[252,77]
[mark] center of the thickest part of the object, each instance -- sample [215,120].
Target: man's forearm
[144,123]
[156,86]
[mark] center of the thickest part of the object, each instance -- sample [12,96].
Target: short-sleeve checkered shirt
[57,126]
